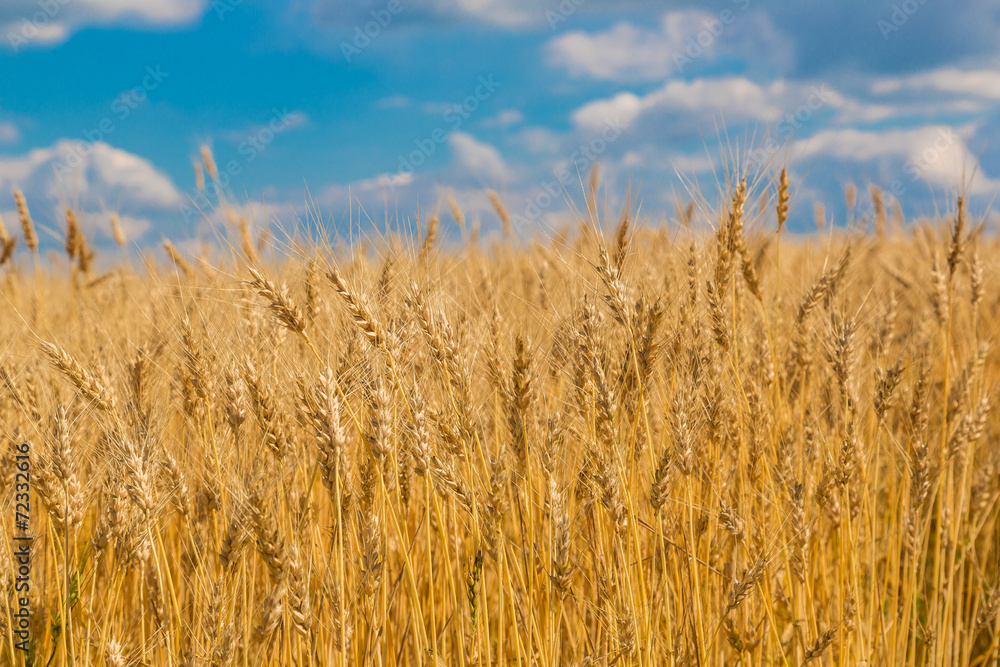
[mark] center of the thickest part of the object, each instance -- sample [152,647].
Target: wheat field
[702,443]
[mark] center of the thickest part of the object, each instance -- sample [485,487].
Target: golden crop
[626,445]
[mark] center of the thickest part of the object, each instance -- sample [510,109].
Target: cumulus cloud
[505,119]
[627,51]
[341,194]
[982,83]
[281,120]
[937,154]
[866,145]
[480,160]
[536,140]
[29,22]
[9,134]
[97,172]
[793,105]
[681,163]
[735,97]
[130,175]
[846,36]
[133,227]
[500,12]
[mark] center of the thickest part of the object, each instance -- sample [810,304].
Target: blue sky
[356,109]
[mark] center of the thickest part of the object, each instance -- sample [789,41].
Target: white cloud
[136,177]
[505,13]
[134,228]
[735,97]
[938,154]
[279,122]
[795,106]
[392,181]
[972,83]
[630,52]
[649,158]
[625,106]
[866,145]
[627,51]
[505,119]
[538,140]
[632,159]
[294,120]
[29,22]
[9,134]
[367,191]
[866,112]
[96,171]
[480,160]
